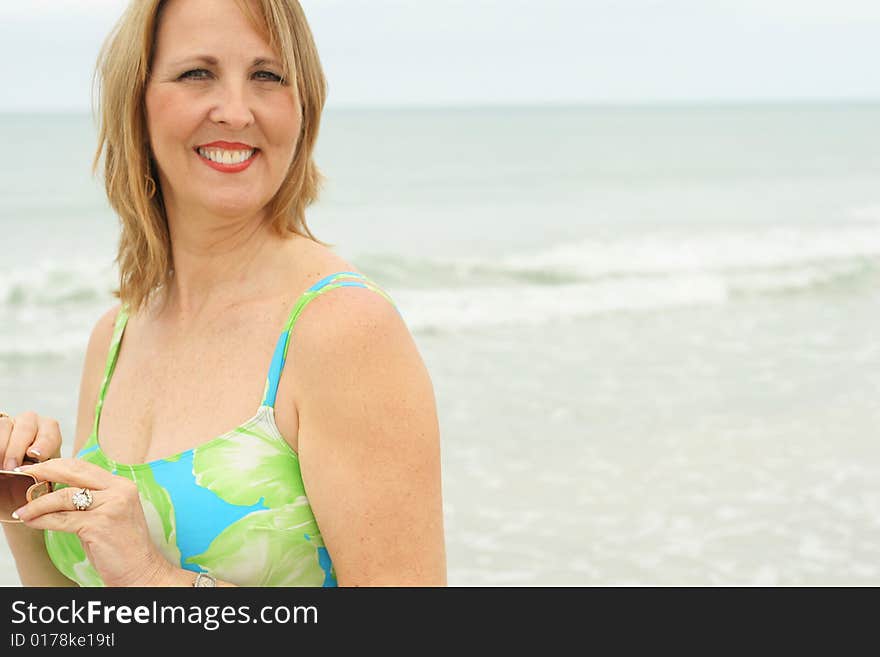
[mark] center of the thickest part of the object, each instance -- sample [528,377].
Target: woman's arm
[369,441]
[27,545]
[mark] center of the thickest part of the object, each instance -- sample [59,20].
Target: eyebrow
[212,61]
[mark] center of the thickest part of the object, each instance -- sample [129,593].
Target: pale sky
[487,52]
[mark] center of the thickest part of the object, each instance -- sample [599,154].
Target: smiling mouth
[226,157]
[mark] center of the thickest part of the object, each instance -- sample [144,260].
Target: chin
[234,208]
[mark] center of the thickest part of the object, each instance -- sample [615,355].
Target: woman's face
[228,97]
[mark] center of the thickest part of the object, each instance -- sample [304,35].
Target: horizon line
[576,104]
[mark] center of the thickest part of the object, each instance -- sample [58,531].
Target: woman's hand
[28,434]
[113,530]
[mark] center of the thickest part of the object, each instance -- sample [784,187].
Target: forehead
[184,24]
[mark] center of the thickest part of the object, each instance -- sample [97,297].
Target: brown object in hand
[17,489]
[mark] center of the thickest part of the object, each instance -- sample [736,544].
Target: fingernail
[34,451]
[15,515]
[10,464]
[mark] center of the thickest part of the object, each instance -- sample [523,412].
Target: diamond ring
[82,500]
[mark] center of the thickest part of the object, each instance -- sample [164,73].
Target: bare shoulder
[93,372]
[349,326]
[99,341]
[369,440]
[344,330]
[352,309]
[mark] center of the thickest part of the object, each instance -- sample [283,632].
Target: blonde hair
[130,175]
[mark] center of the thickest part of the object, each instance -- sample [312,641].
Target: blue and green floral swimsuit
[235,506]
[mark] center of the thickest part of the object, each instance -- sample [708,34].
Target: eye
[274,78]
[196,74]
[191,77]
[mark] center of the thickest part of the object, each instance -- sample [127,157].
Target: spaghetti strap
[279,357]
[118,329]
[339,279]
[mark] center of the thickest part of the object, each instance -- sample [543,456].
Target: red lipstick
[229,146]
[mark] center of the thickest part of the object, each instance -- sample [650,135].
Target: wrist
[164,574]
[181,578]
[172,577]
[161,573]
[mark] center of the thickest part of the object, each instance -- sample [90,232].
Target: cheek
[283,121]
[289,136]
[167,116]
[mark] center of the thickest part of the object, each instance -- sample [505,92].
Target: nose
[232,107]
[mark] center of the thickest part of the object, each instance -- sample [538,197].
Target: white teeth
[226,157]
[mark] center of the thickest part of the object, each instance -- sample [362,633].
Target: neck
[216,266]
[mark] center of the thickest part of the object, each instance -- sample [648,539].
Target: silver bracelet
[205,579]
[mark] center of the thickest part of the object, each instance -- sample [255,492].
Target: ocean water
[652,331]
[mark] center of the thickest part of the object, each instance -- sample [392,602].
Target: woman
[209,115]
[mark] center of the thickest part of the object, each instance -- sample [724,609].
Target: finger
[6,424]
[60,521]
[59,500]
[48,441]
[23,433]
[73,472]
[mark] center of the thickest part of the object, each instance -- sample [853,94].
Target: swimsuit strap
[340,279]
[121,320]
